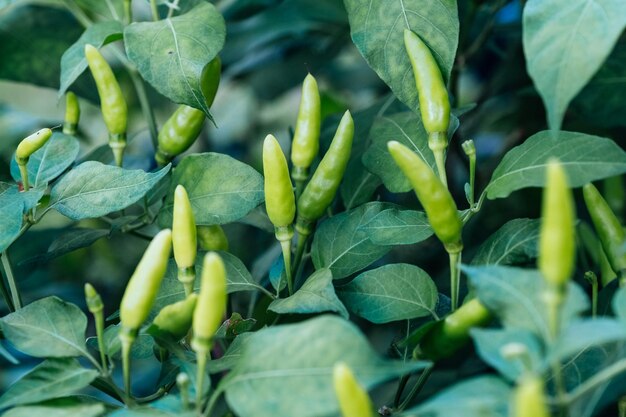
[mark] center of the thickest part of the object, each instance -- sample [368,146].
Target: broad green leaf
[490,342]
[406,128]
[231,356]
[377,29]
[514,243]
[341,245]
[92,189]
[168,406]
[104,9]
[49,327]
[142,348]
[73,61]
[11,209]
[53,378]
[170,54]
[286,370]
[390,293]
[619,304]
[7,355]
[317,295]
[31,197]
[398,227]
[585,158]
[69,241]
[565,42]
[483,396]
[79,410]
[586,334]
[221,189]
[515,295]
[50,161]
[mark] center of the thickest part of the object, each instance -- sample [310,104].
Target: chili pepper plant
[296,208]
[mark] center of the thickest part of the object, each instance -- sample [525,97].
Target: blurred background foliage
[270,47]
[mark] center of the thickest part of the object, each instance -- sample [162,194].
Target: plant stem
[155,10]
[438,142]
[128,11]
[8,270]
[24,175]
[417,387]
[187,277]
[591,277]
[455,277]
[140,88]
[286,246]
[127,337]
[300,246]
[173,7]
[6,295]
[202,360]
[100,336]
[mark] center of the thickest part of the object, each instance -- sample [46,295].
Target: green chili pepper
[352,397]
[557,248]
[212,238]
[112,102]
[321,189]
[26,148]
[305,144]
[211,304]
[608,227]
[96,308]
[447,336]
[529,397]
[433,97]
[72,114]
[434,196]
[181,130]
[184,240]
[175,319]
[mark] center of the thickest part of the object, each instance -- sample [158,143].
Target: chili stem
[202,360]
[15,294]
[187,276]
[127,338]
[99,316]
[286,247]
[155,10]
[455,278]
[417,388]
[128,11]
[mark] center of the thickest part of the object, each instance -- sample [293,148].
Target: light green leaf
[50,161]
[92,189]
[398,227]
[514,243]
[585,158]
[49,327]
[390,293]
[142,348]
[11,209]
[294,377]
[341,245]
[168,406]
[317,295]
[104,9]
[619,304]
[170,54]
[73,61]
[231,356]
[221,189]
[53,378]
[585,334]
[562,58]
[377,29]
[79,410]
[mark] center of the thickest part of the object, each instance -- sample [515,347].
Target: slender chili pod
[352,397]
[184,239]
[112,102]
[306,138]
[609,230]
[174,320]
[72,114]
[433,97]
[529,397]
[212,238]
[26,148]
[96,308]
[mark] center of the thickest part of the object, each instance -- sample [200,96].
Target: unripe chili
[305,144]
[175,319]
[352,397]
[72,114]
[529,397]
[31,144]
[184,240]
[279,197]
[211,304]
[212,238]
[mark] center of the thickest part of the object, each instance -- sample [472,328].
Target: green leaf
[586,334]
[79,410]
[557,59]
[92,189]
[221,189]
[51,379]
[294,377]
[7,355]
[398,227]
[104,9]
[73,61]
[489,344]
[317,295]
[341,245]
[142,348]
[517,242]
[585,158]
[50,161]
[390,293]
[231,356]
[69,241]
[11,209]
[49,327]
[170,54]
[377,30]
[515,295]
[168,406]
[406,128]
[619,304]
[483,396]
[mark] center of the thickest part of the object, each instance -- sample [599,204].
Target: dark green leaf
[619,304]
[231,356]
[586,334]
[294,377]
[70,241]
[390,293]
[51,379]
[11,209]
[221,189]
[378,32]
[398,227]
[341,245]
[317,295]
[92,189]
[7,355]
[142,348]
[514,243]
[49,327]
[170,54]
[585,158]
